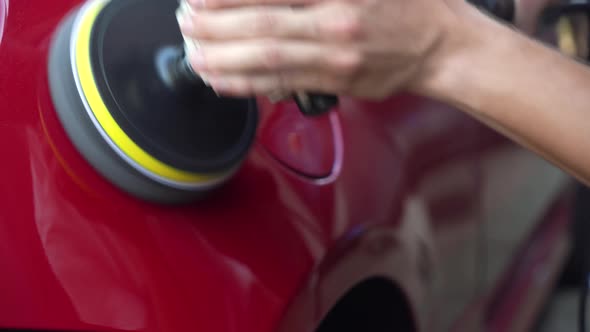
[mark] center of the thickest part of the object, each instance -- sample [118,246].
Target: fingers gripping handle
[310,104]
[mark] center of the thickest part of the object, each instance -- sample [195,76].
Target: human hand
[364,48]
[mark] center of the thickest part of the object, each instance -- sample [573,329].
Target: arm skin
[525,90]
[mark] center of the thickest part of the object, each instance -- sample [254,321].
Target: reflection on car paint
[3,15]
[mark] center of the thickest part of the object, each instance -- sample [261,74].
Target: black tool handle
[314,104]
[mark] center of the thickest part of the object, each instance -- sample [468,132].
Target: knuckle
[200,28]
[211,58]
[351,25]
[314,29]
[345,24]
[272,57]
[264,21]
[348,63]
[242,87]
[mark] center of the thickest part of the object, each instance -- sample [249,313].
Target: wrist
[470,55]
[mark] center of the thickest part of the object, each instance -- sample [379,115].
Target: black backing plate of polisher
[87,139]
[138,96]
[190,129]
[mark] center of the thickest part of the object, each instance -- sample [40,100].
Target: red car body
[404,210]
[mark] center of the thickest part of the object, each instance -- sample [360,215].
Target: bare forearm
[525,90]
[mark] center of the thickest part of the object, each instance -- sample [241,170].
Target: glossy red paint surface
[405,186]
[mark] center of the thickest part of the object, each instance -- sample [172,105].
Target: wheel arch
[392,262]
[375,304]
